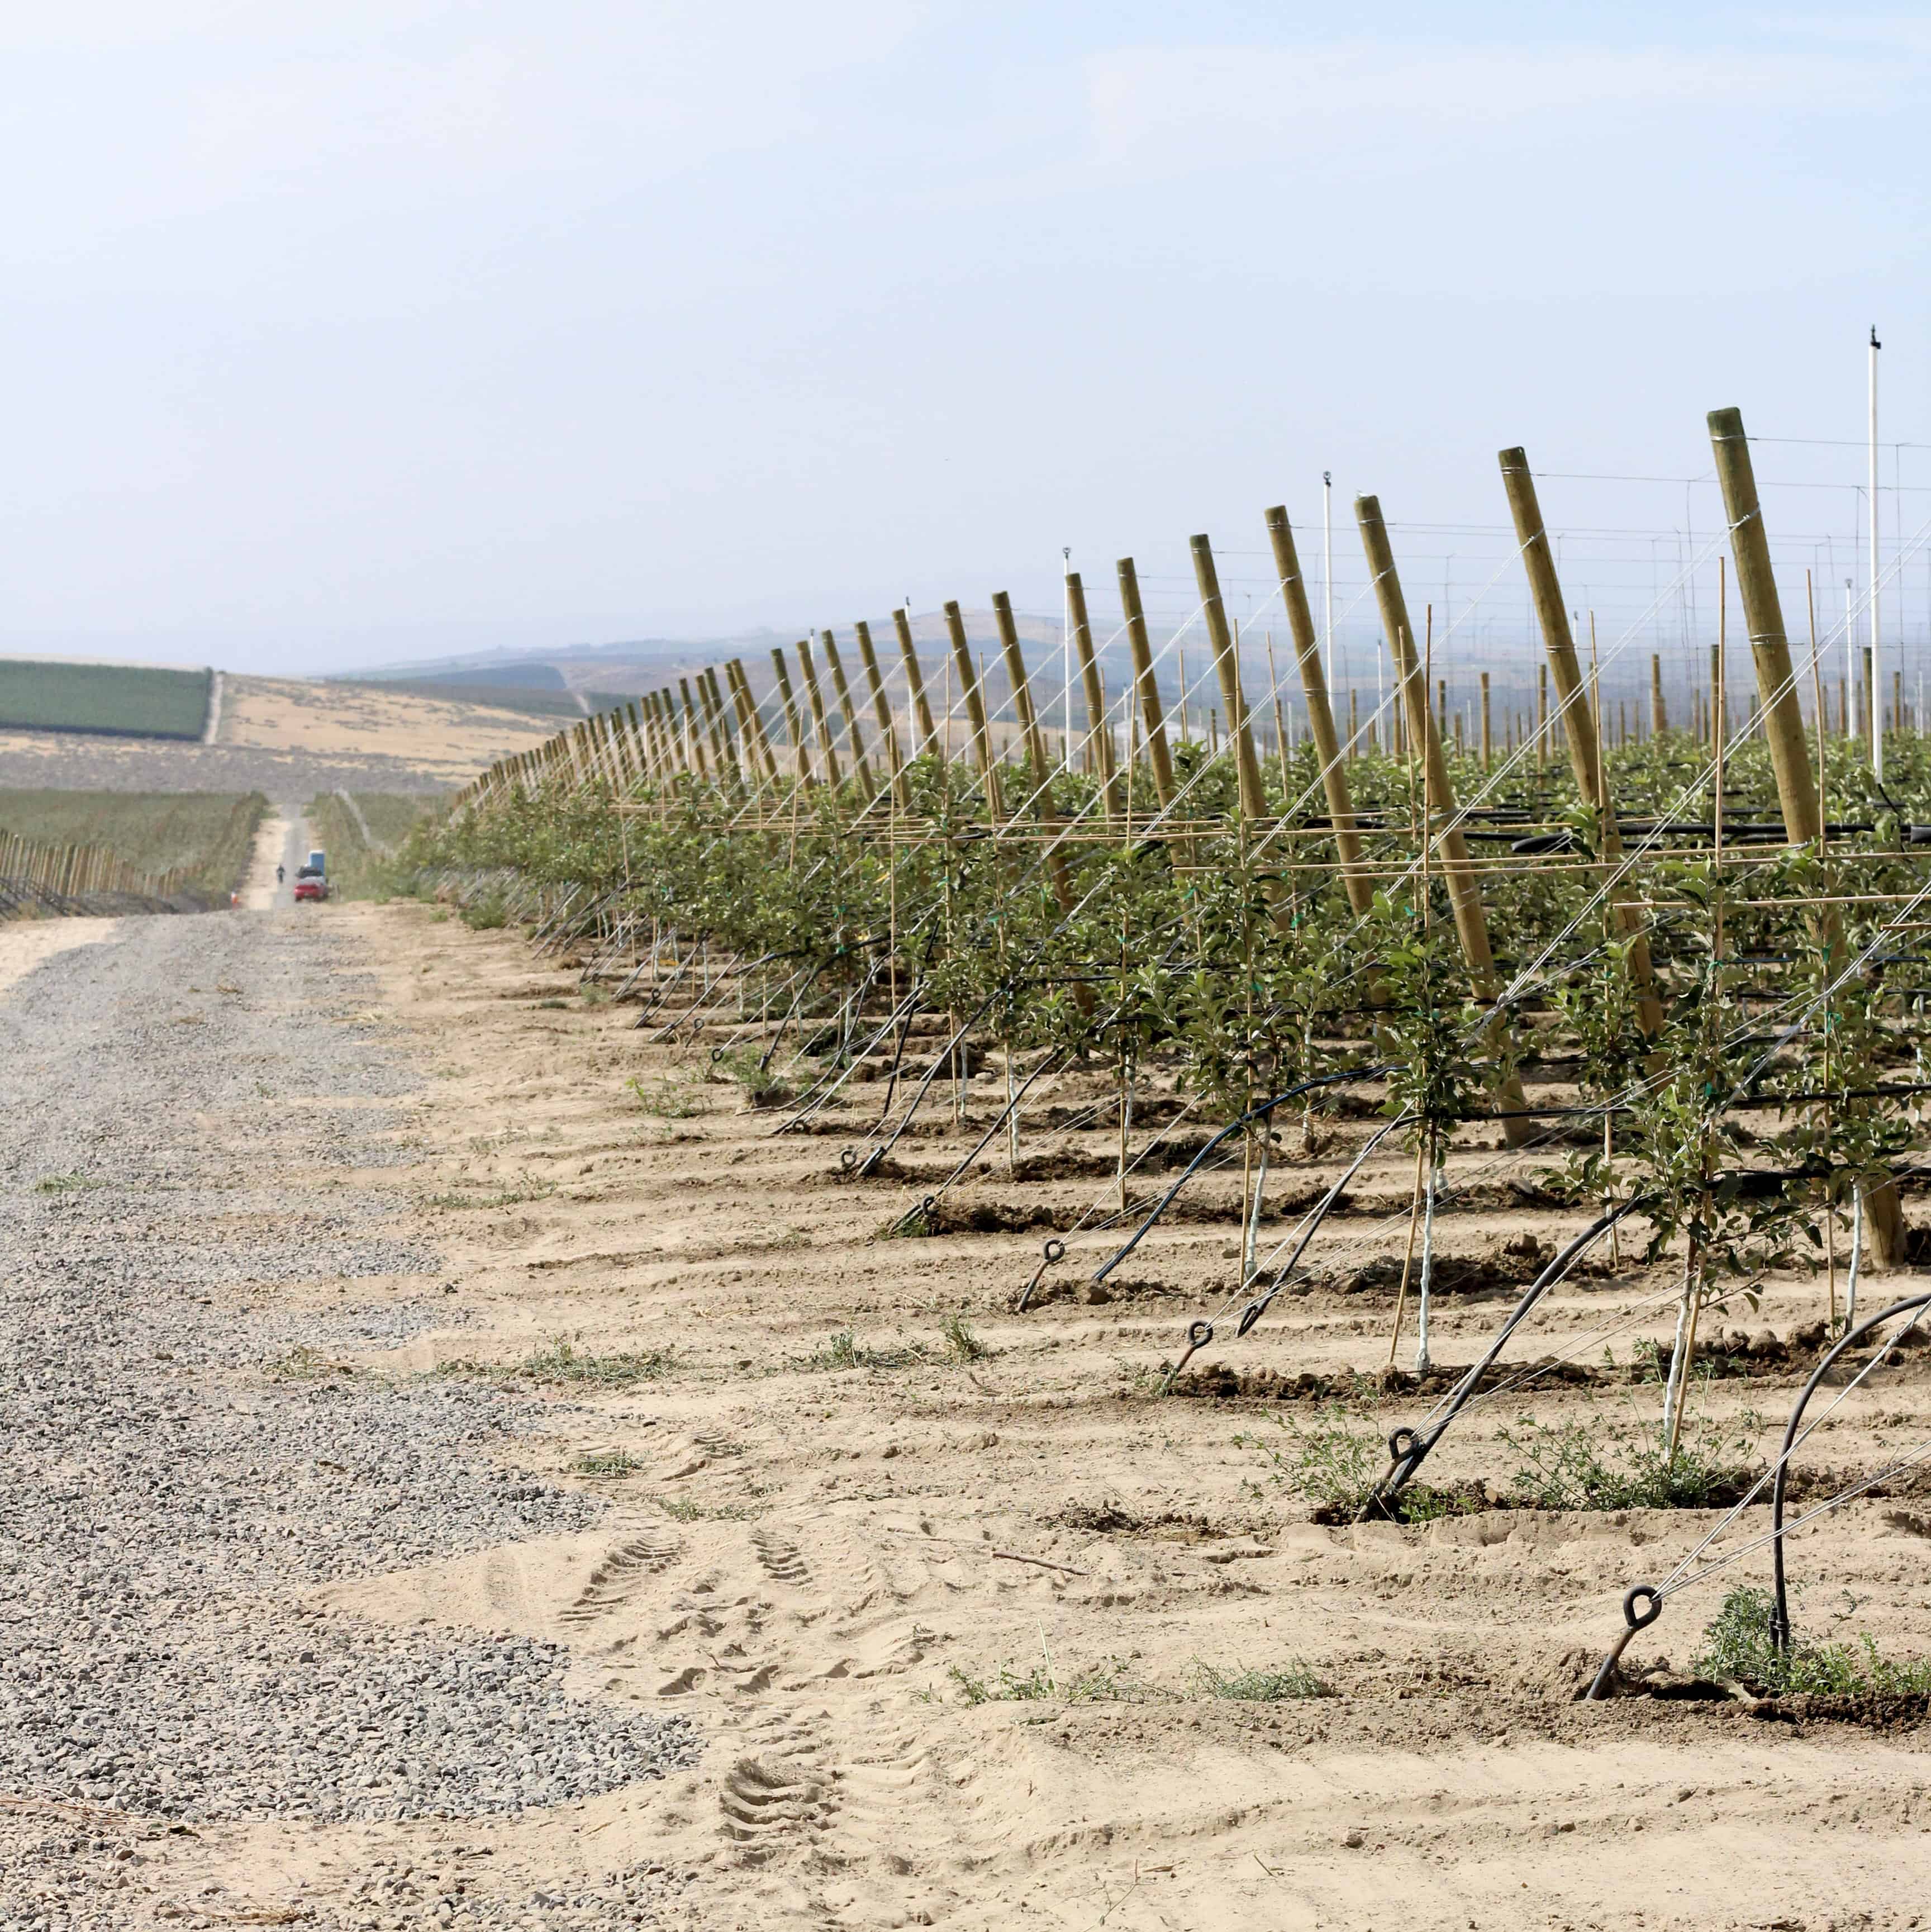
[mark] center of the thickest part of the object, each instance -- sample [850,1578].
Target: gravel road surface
[177,1110]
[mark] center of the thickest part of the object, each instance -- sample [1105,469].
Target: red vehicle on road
[310,882]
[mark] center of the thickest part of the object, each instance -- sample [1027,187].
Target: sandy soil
[26,943]
[813,1550]
[839,1532]
[450,741]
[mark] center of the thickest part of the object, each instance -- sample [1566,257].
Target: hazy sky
[381,328]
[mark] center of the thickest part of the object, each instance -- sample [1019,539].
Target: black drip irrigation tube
[1409,1448]
[1201,1333]
[1779,1621]
[1642,1604]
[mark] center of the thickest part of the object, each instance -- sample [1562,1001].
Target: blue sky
[390,327]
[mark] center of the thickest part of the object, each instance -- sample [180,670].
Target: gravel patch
[177,1473]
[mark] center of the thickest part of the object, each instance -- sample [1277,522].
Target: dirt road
[558,1365]
[205,1136]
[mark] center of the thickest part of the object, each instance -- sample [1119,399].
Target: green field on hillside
[129,700]
[357,869]
[210,833]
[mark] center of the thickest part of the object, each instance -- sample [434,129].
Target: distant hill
[530,672]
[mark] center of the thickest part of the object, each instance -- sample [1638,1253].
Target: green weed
[1098,1684]
[962,1344]
[681,1509]
[606,1463]
[303,1363]
[486,914]
[509,1197]
[745,1065]
[65,1183]
[666,1101]
[1332,1462]
[1736,1647]
[1249,1686]
[1578,1465]
[560,1364]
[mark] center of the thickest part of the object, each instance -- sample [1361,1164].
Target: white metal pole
[1327,564]
[1877,656]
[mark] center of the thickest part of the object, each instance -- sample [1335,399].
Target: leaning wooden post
[1471,925]
[653,738]
[854,737]
[1320,715]
[1153,718]
[801,761]
[1043,807]
[816,698]
[694,743]
[927,733]
[719,756]
[667,747]
[881,710]
[683,743]
[1097,728]
[1783,724]
[1579,725]
[751,726]
[975,705]
[716,726]
[735,749]
[1253,796]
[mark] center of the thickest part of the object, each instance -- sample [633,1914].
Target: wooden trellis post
[881,711]
[1360,888]
[1471,924]
[915,683]
[1099,733]
[1043,807]
[801,758]
[975,705]
[1579,725]
[816,698]
[1227,663]
[1152,718]
[1783,724]
[854,737]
